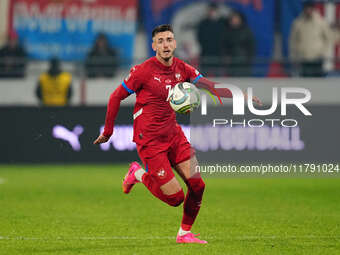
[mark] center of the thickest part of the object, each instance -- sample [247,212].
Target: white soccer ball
[185,97]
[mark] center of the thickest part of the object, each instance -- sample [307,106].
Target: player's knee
[175,199]
[197,185]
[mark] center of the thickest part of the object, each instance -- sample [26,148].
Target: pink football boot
[130,178]
[189,238]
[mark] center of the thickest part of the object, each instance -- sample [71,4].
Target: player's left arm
[204,83]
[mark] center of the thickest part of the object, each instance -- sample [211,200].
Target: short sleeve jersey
[154,119]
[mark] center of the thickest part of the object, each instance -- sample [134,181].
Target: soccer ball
[185,97]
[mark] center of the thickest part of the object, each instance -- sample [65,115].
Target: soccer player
[161,143]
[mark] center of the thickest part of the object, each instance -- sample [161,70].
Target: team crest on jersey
[178,76]
[161,173]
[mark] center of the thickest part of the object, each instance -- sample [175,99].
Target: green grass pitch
[80,209]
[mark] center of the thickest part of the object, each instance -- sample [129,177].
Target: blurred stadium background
[43,202]
[67,30]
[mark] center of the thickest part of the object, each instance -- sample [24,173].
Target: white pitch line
[168,238]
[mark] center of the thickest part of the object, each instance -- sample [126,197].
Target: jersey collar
[163,67]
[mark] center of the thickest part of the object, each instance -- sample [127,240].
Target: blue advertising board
[67,29]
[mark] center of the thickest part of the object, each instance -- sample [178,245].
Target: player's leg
[193,198]
[185,162]
[170,192]
[158,179]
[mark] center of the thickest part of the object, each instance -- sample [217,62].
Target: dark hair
[213,6]
[162,28]
[308,4]
[54,68]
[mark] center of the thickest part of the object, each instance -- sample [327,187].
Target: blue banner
[67,29]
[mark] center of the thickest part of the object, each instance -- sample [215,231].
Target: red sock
[192,202]
[153,186]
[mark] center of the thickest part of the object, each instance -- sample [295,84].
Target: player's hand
[101,139]
[255,99]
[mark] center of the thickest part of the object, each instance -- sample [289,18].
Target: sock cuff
[175,199]
[195,180]
[139,174]
[179,193]
[186,227]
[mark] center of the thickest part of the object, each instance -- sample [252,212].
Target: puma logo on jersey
[157,78]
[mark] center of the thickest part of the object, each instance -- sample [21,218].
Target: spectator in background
[12,58]
[310,40]
[209,35]
[54,86]
[238,46]
[102,60]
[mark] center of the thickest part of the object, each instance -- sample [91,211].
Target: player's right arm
[128,87]
[112,109]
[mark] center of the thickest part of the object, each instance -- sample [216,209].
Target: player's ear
[153,45]
[175,44]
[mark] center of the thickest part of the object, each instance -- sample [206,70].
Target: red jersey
[154,119]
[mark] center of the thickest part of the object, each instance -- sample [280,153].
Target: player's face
[164,44]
